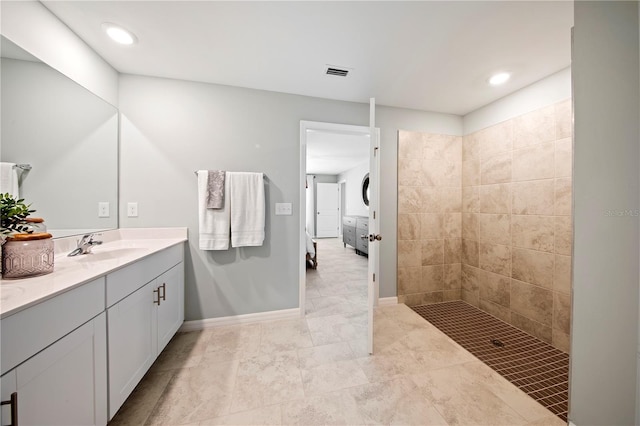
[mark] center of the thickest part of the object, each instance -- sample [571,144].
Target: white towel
[9,179]
[246,196]
[214,224]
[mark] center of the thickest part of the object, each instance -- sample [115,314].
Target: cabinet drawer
[363,224]
[348,230]
[27,332]
[363,245]
[125,281]
[351,221]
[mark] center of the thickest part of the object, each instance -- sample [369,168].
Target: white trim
[571,423]
[386,301]
[292,313]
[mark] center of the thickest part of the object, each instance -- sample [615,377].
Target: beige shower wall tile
[562,312]
[451,199]
[471,172]
[534,162]
[496,139]
[410,144]
[534,127]
[452,225]
[408,226]
[431,225]
[432,278]
[471,278]
[471,297]
[432,252]
[533,232]
[409,279]
[441,173]
[409,199]
[450,295]
[431,199]
[536,329]
[533,197]
[495,198]
[563,114]
[409,253]
[496,310]
[533,302]
[495,228]
[563,157]
[495,258]
[470,226]
[496,169]
[560,340]
[496,288]
[439,147]
[470,252]
[452,250]
[562,274]
[470,147]
[410,171]
[534,267]
[563,235]
[452,276]
[563,197]
[470,199]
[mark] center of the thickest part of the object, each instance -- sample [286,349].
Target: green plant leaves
[13,213]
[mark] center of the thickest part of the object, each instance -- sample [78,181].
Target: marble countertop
[120,248]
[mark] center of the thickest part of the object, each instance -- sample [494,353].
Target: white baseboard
[293,313]
[385,301]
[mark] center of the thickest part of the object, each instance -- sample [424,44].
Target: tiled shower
[486,218]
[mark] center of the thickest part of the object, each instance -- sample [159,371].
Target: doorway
[309,130]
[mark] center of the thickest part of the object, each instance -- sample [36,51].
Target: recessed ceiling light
[119,34]
[500,78]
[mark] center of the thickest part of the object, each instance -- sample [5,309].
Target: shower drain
[497,343]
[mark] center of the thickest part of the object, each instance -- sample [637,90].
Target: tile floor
[316,371]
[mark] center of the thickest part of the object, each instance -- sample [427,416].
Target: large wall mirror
[69,137]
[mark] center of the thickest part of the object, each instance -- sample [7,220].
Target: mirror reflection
[69,138]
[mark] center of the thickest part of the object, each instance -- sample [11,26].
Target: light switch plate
[132,209]
[284,209]
[103,209]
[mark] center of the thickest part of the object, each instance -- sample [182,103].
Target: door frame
[347,129]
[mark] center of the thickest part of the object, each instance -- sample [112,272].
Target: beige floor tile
[143,399]
[195,394]
[185,350]
[434,350]
[318,355]
[332,376]
[395,403]
[265,416]
[266,380]
[233,342]
[336,328]
[284,335]
[550,420]
[332,409]
[461,403]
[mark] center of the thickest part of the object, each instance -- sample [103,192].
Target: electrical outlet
[103,209]
[132,209]
[283,209]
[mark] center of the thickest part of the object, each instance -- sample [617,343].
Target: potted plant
[24,252]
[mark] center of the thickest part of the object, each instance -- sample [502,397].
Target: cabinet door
[132,343]
[7,386]
[171,307]
[66,383]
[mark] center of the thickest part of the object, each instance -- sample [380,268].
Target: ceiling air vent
[337,71]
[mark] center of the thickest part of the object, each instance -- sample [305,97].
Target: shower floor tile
[536,367]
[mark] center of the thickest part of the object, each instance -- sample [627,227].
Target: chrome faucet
[85,244]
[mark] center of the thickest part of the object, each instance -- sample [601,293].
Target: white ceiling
[425,55]
[333,153]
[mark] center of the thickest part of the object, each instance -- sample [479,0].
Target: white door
[327,209]
[374,217]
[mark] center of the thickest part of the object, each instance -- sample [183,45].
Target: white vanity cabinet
[54,358]
[145,309]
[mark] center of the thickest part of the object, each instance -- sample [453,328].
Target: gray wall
[354,205]
[171,128]
[606,199]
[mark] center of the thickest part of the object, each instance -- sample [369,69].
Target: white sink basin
[110,253]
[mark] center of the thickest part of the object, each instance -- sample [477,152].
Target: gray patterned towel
[215,189]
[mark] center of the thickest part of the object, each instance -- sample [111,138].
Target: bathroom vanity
[76,342]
